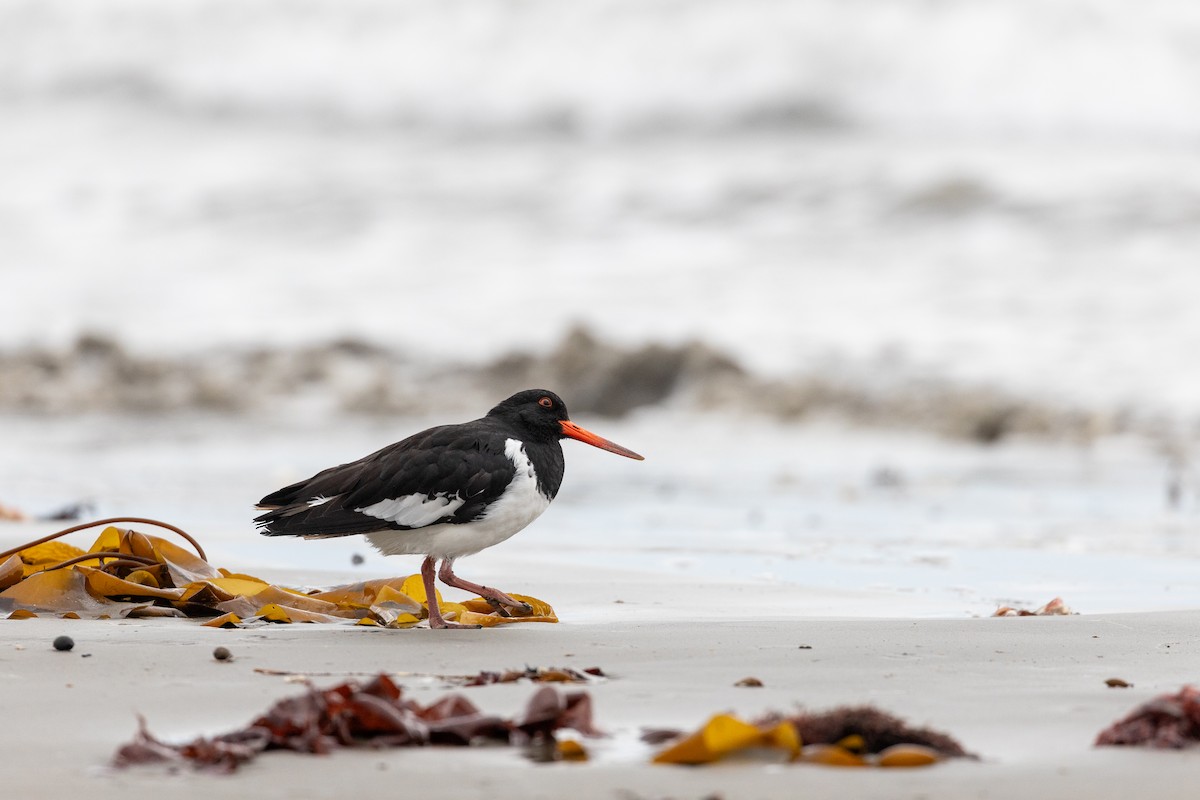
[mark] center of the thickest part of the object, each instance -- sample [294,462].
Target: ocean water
[991,193]
[878,523]
[982,194]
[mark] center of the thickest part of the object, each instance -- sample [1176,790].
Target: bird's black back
[466,460]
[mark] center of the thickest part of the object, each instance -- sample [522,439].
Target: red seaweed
[1169,721]
[372,715]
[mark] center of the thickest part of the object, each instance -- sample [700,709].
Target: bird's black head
[537,413]
[541,416]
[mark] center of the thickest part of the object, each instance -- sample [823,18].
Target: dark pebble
[222,654]
[64,643]
[357,559]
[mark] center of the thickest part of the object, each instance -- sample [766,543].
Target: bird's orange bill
[573,431]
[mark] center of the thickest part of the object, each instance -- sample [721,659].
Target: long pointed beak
[573,431]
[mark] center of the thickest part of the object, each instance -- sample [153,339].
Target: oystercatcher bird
[444,493]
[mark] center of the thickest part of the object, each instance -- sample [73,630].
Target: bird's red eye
[546,402]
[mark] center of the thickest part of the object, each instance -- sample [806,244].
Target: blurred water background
[893,294]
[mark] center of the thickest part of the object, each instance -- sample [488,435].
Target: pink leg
[435,613]
[495,597]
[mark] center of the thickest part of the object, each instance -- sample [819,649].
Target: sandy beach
[1025,694]
[803,569]
[899,305]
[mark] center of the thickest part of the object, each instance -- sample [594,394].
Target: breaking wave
[605,67]
[349,376]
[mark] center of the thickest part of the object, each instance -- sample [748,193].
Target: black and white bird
[444,493]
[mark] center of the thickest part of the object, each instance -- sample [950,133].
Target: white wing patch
[414,510]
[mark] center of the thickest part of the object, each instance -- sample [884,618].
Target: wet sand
[1026,694]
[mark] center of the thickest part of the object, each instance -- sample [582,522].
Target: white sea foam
[982,192]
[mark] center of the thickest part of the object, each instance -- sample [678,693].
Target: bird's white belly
[520,504]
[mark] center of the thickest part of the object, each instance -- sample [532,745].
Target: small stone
[357,559]
[750,682]
[222,654]
[64,643]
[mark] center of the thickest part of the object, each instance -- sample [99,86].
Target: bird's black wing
[440,465]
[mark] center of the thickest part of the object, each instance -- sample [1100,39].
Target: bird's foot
[497,606]
[438,623]
[495,598]
[502,603]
